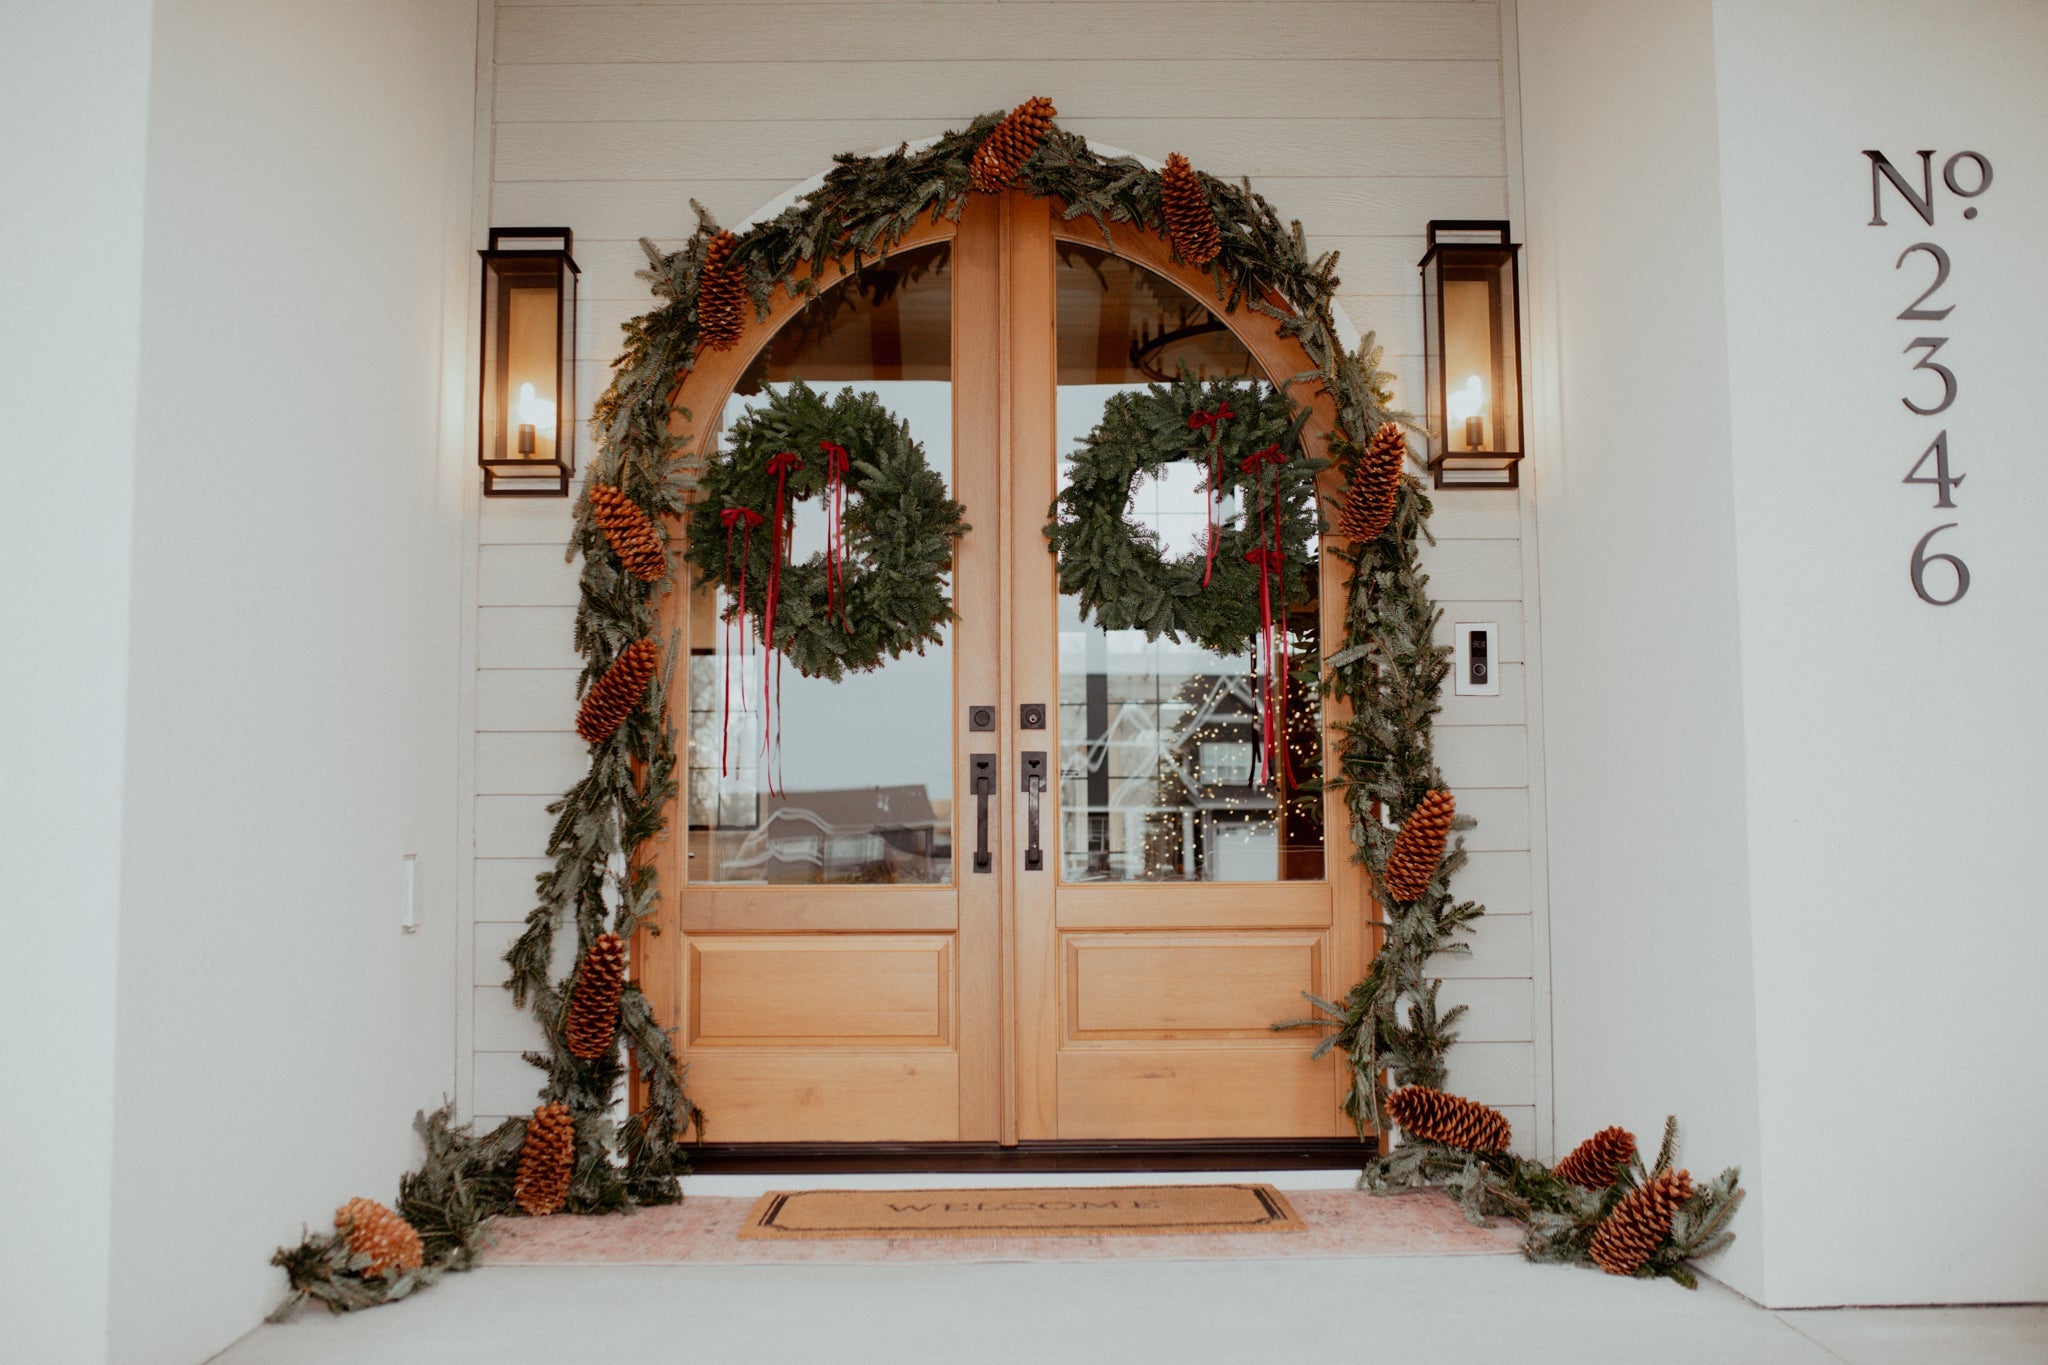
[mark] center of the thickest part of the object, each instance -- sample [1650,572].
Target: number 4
[1943,481]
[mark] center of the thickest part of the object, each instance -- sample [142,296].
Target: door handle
[1034,783]
[982,783]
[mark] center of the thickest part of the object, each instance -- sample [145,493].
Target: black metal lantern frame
[1472,354]
[526,435]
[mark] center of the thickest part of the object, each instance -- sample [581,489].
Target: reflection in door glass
[866,764]
[1158,739]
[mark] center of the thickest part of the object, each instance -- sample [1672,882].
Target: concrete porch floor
[1448,1310]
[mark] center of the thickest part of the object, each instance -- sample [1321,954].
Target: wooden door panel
[774,910]
[1188,986]
[819,991]
[1005,1006]
[1208,905]
[1189,1092]
[806,1095]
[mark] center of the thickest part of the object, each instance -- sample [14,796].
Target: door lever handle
[1034,783]
[982,783]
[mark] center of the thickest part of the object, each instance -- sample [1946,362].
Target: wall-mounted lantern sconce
[1472,354]
[526,441]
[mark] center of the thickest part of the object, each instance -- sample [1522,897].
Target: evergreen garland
[1387,668]
[1117,568]
[1561,1217]
[900,527]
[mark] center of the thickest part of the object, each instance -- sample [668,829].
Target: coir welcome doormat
[1082,1211]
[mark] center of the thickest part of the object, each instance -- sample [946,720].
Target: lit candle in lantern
[1467,403]
[530,412]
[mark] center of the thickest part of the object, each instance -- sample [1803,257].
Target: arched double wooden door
[836,968]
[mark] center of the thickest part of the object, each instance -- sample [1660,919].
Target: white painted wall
[293,679]
[1895,750]
[1365,120]
[1792,807]
[1642,722]
[73,79]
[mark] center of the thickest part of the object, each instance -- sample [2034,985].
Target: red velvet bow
[838,464]
[745,519]
[1272,663]
[781,465]
[1270,455]
[1272,563]
[1212,423]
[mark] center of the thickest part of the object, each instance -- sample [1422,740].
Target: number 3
[1926,362]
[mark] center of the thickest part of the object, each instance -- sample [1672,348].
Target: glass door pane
[866,763]
[1157,738]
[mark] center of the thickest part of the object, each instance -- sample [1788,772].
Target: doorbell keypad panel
[1475,659]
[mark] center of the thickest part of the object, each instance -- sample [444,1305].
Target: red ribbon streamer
[838,464]
[746,519]
[1273,661]
[1212,423]
[781,465]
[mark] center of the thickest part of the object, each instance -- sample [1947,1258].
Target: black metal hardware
[1031,716]
[982,782]
[981,717]
[1034,783]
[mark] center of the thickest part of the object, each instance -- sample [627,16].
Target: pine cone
[1599,1161]
[1433,1116]
[618,691]
[547,1160]
[721,296]
[1419,847]
[594,1008]
[1010,144]
[1369,501]
[374,1231]
[630,531]
[1190,222]
[1640,1223]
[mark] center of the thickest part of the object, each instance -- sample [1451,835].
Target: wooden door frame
[697,406]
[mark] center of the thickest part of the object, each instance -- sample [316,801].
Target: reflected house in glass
[854,835]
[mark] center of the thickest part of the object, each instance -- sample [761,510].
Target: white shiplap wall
[1362,119]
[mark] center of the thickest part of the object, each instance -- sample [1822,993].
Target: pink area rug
[1341,1224]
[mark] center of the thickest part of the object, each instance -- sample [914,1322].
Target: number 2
[1914,312]
[1942,481]
[1926,362]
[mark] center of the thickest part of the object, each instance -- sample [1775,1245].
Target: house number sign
[1939,577]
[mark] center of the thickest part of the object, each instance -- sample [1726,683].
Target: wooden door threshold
[1236,1154]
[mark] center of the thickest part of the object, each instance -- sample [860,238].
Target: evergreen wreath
[1117,568]
[884,594]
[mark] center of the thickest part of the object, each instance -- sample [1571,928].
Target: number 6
[1920,561]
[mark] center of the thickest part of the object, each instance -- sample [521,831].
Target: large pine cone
[618,691]
[594,1007]
[1419,847]
[547,1161]
[1375,483]
[374,1231]
[721,296]
[1190,222]
[631,533]
[1640,1223]
[1010,144]
[1599,1161]
[1452,1120]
